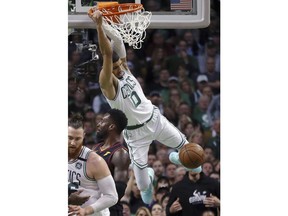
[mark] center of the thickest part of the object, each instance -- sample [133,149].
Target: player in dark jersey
[112,150]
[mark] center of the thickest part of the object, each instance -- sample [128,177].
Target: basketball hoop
[129,19]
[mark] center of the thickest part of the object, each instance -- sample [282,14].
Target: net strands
[130,24]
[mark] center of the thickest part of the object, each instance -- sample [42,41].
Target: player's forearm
[109,194]
[104,43]
[116,40]
[105,78]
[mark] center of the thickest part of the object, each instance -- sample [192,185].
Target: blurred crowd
[179,70]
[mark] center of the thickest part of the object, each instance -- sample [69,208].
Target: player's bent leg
[147,195]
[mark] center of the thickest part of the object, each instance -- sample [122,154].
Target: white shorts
[158,128]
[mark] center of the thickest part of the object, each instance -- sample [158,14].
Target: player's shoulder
[94,158]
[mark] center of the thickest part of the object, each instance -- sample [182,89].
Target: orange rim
[111,10]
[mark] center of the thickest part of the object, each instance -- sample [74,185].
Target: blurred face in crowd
[189,129]
[164,75]
[197,137]
[156,210]
[88,127]
[180,173]
[208,154]
[203,102]
[207,168]
[162,155]
[216,126]
[170,171]
[186,86]
[126,210]
[151,159]
[210,64]
[79,96]
[158,168]
[207,91]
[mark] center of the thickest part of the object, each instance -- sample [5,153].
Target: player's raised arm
[117,43]
[106,76]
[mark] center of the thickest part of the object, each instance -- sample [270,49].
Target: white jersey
[77,173]
[131,100]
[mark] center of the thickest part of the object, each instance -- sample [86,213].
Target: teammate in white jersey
[145,122]
[90,172]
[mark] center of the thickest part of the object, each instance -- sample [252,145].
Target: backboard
[177,14]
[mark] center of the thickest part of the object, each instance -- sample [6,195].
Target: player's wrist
[89,210]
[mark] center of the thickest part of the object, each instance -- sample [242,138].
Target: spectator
[126,208]
[179,173]
[132,194]
[100,104]
[207,168]
[162,182]
[202,81]
[209,155]
[211,51]
[155,65]
[90,134]
[151,159]
[78,105]
[72,88]
[213,76]
[187,89]
[164,201]
[156,100]
[159,170]
[163,83]
[184,119]
[187,196]
[156,210]
[197,137]
[214,141]
[193,47]
[159,193]
[170,172]
[143,211]
[182,57]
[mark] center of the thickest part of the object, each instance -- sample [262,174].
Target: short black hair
[115,57]
[119,119]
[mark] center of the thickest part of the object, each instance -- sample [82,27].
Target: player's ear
[111,126]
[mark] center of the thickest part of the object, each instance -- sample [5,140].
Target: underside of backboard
[197,15]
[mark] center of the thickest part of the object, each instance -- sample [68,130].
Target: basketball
[191,155]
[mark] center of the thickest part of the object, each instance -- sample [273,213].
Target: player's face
[117,69]
[103,126]
[75,140]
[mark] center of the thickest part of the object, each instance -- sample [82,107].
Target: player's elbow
[113,198]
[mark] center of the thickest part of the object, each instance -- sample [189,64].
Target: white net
[130,25]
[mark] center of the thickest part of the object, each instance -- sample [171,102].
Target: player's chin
[71,150]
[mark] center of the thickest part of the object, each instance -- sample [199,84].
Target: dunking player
[90,171]
[109,129]
[145,122]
